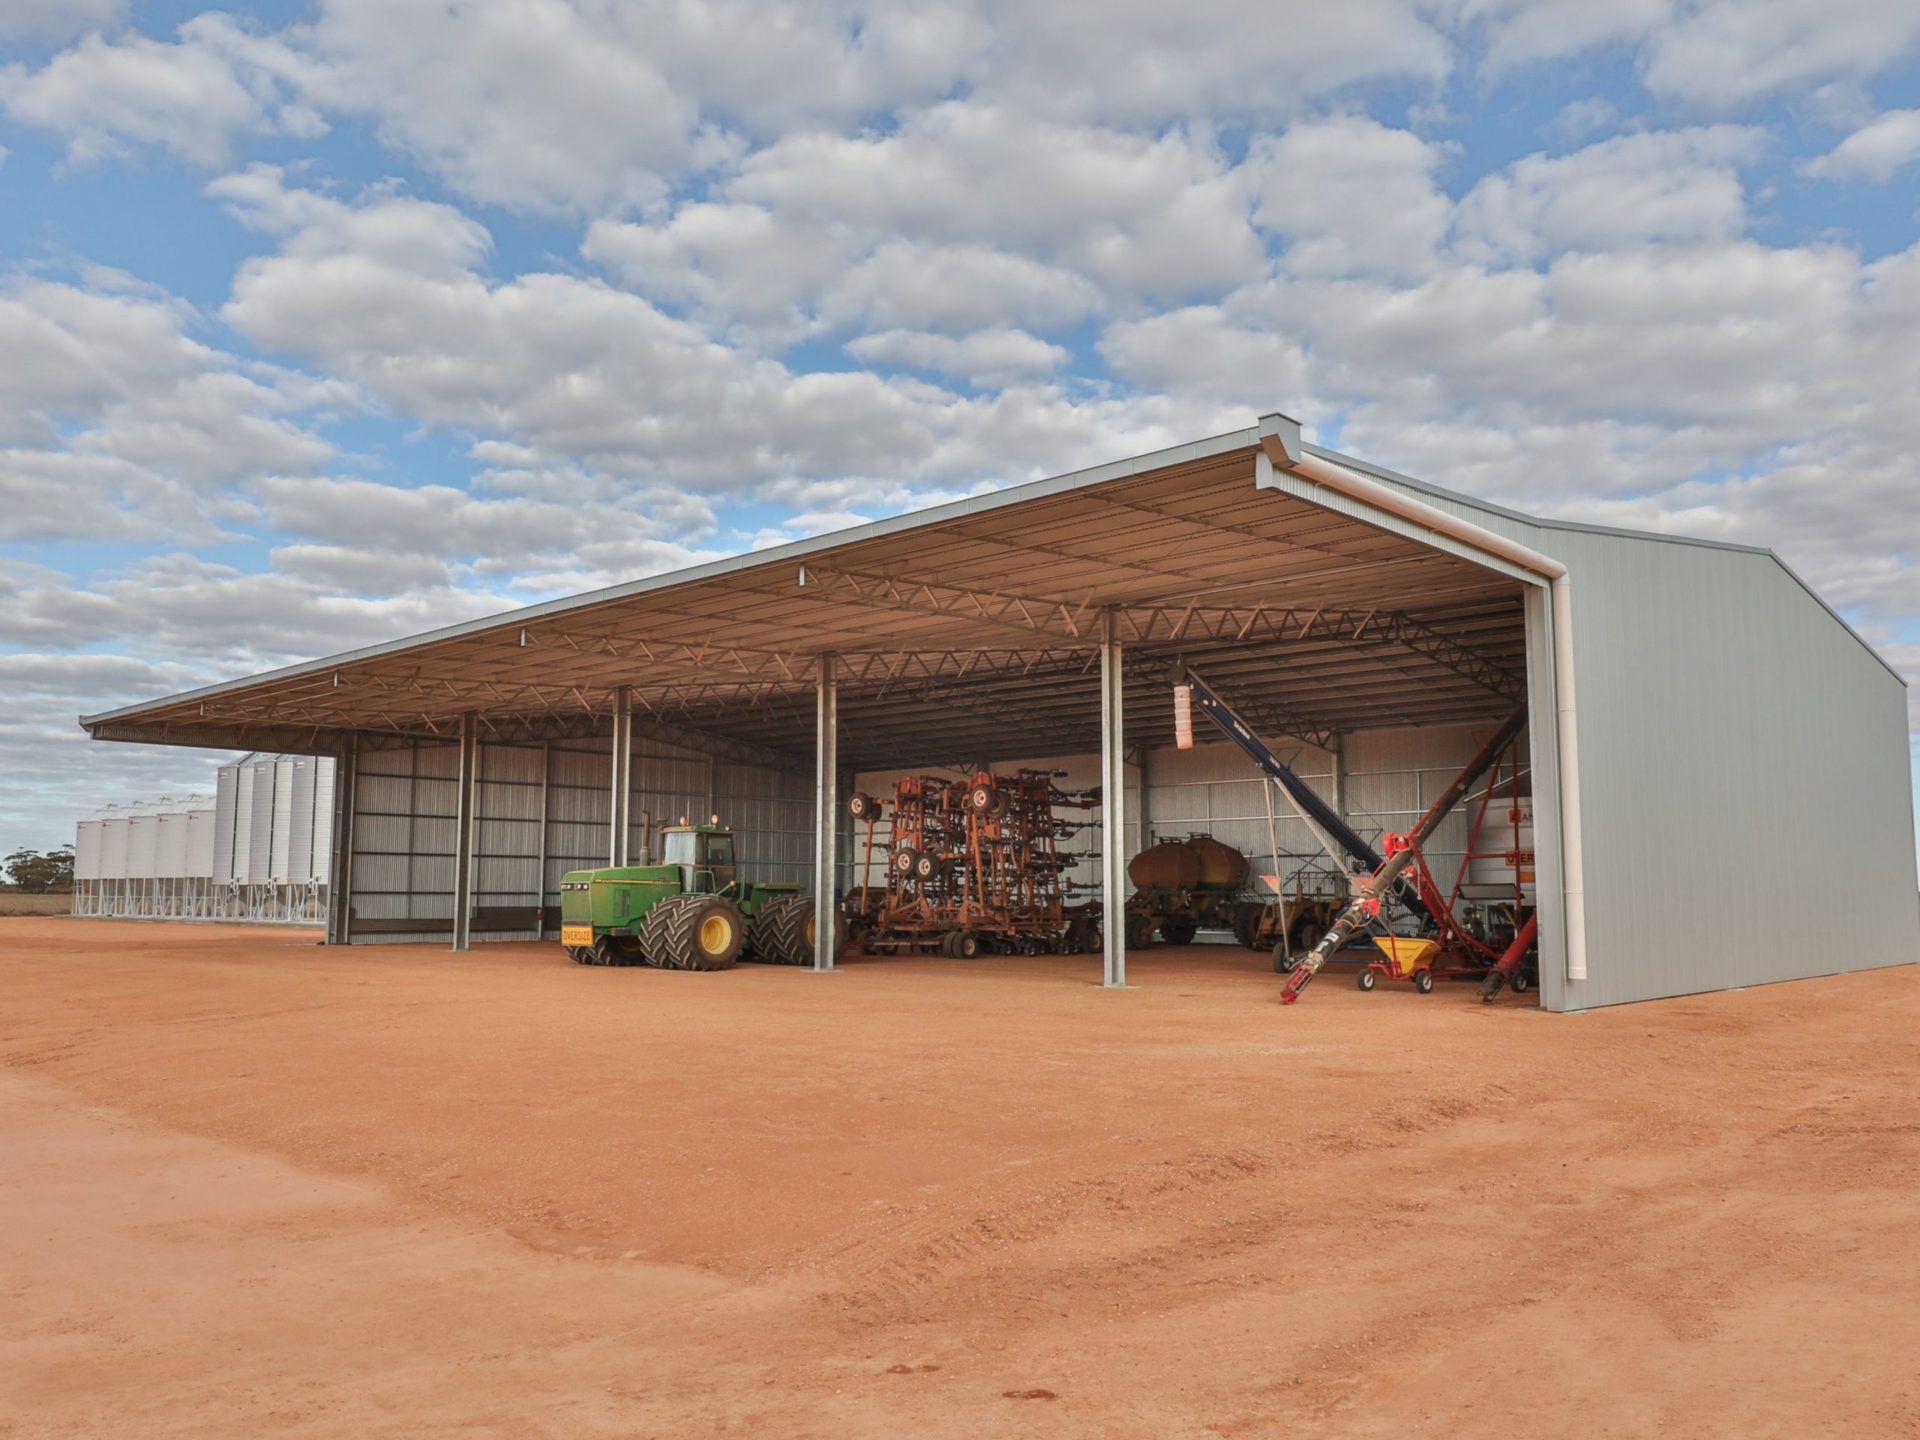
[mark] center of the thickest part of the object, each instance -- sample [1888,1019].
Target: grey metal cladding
[1744,779]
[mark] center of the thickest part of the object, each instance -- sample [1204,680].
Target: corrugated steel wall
[1744,767]
[404,825]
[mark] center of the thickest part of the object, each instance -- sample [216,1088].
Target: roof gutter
[1280,439]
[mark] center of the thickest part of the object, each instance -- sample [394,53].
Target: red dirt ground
[252,1186]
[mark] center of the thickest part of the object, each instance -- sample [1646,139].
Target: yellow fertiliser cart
[1403,959]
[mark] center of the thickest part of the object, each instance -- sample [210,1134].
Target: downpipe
[1280,440]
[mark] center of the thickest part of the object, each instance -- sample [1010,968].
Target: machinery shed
[1717,766]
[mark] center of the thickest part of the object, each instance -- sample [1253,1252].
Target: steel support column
[826,812]
[622,776]
[463,831]
[1338,798]
[540,847]
[1113,801]
[1142,821]
[346,768]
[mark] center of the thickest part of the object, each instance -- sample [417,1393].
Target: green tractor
[689,912]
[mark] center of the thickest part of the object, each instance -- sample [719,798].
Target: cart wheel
[966,945]
[1283,962]
[1365,978]
[1423,981]
[1520,982]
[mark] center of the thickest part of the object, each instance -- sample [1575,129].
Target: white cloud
[571,371]
[1205,350]
[580,106]
[1350,196]
[54,21]
[1725,53]
[1155,217]
[1675,186]
[1876,151]
[986,357]
[108,97]
[116,423]
[965,217]
[1580,118]
[1716,55]
[1144,63]
[1520,31]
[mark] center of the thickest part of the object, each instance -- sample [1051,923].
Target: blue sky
[323,323]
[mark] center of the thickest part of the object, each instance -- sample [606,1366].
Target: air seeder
[689,912]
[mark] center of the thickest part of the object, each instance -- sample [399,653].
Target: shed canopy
[963,632]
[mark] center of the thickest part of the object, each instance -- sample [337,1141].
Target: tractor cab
[704,856]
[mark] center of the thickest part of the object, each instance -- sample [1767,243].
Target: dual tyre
[693,932]
[783,931]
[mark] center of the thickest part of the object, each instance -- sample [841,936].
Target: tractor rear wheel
[790,931]
[761,944]
[693,932]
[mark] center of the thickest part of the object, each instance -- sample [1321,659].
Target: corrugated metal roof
[964,630]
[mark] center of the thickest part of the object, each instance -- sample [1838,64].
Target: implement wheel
[1246,924]
[1366,979]
[1423,981]
[1521,982]
[1179,929]
[693,932]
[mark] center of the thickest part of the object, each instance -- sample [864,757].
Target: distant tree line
[41,874]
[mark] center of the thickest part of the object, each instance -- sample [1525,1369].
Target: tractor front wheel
[693,932]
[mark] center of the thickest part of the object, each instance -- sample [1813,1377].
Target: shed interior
[972,634]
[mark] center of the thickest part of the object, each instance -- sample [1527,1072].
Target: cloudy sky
[322,324]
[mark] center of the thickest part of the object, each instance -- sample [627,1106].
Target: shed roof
[970,629]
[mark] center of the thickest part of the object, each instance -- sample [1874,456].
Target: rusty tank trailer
[1182,887]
